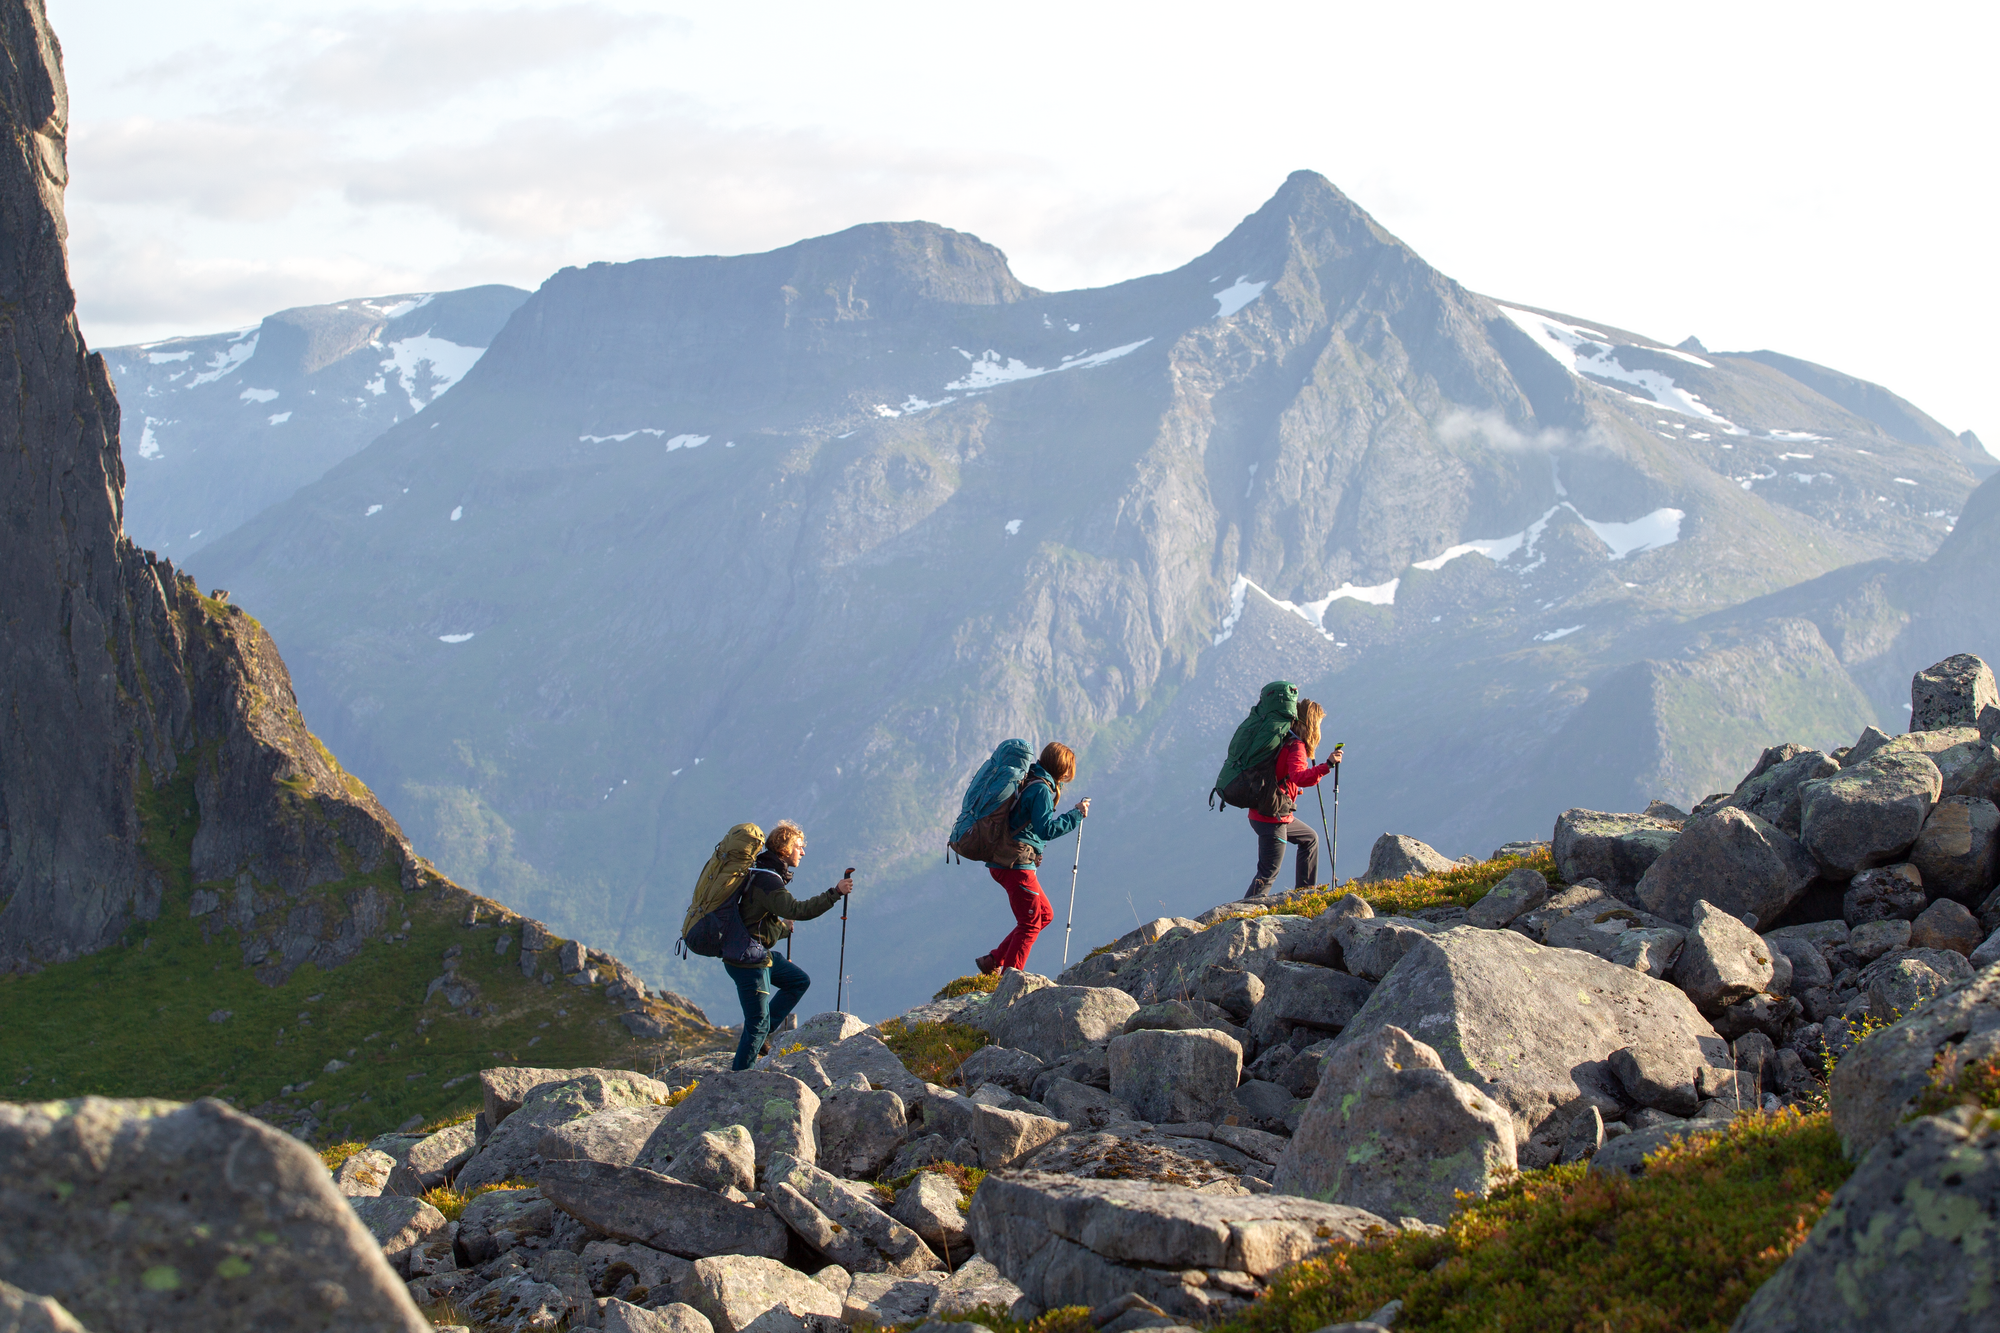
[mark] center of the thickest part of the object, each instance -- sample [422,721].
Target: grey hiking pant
[1271,840]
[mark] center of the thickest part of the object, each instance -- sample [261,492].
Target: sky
[1814,178]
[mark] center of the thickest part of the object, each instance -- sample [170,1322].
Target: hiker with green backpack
[742,907]
[1269,764]
[1007,818]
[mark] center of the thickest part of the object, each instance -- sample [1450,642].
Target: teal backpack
[983,830]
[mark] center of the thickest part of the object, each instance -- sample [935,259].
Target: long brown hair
[1060,761]
[1306,725]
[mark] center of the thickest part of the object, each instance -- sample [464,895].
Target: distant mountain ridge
[807,532]
[231,423]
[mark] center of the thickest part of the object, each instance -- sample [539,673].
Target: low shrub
[984,984]
[1461,887]
[1957,1081]
[932,1051]
[335,1155]
[451,1202]
[1679,1248]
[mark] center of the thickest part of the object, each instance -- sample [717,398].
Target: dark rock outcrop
[124,691]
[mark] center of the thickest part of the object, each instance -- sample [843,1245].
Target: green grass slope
[174,1010]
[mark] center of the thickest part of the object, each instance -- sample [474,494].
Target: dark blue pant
[1271,840]
[761,1013]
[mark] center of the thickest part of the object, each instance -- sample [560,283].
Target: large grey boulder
[719,1159]
[1978,776]
[1370,946]
[1732,859]
[892,1300]
[1300,995]
[741,1294]
[1392,1131]
[498,1220]
[997,1137]
[1907,1244]
[1522,891]
[139,1214]
[634,1204]
[1722,961]
[1898,983]
[1531,1027]
[1958,853]
[1658,1076]
[513,1149]
[365,1174]
[1173,1076]
[1011,1069]
[517,1303]
[841,1221]
[1886,893]
[824,1029]
[614,1136]
[432,1160]
[1235,991]
[504,1090]
[1876,1085]
[1395,856]
[674,1317]
[1957,692]
[1774,789]
[928,1205]
[1176,965]
[1182,1015]
[859,1130]
[777,1109]
[1085,1107]
[977,1284]
[1614,849]
[1085,1242]
[1946,924]
[1051,1021]
[399,1224]
[866,1054]
[1131,1153]
[1871,814]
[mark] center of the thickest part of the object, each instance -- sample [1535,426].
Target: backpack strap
[1017,815]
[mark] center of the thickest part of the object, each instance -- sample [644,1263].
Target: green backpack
[1248,779]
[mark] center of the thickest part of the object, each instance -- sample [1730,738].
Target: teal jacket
[1035,821]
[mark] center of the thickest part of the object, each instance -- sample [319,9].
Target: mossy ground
[932,1051]
[1454,888]
[135,1020]
[1681,1248]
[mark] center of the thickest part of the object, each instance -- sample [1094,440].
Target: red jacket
[1294,775]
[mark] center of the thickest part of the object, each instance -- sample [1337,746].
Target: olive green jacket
[768,906]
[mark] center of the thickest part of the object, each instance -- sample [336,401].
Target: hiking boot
[987,967]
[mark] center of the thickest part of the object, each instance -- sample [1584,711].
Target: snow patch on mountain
[1239,294]
[990,369]
[258,395]
[448,362]
[1589,354]
[240,349]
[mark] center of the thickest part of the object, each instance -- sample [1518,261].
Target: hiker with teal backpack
[1269,764]
[742,907]
[1007,818]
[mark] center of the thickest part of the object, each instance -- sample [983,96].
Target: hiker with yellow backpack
[742,907]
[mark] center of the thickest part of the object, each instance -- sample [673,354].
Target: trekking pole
[840,981]
[1071,923]
[1333,836]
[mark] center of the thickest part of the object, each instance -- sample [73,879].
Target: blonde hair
[1059,760]
[1306,725]
[784,834]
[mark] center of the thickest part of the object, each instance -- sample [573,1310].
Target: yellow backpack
[728,866]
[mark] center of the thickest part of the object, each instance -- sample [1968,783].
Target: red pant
[1031,913]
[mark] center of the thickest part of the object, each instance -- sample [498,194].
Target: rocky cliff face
[806,533]
[117,672]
